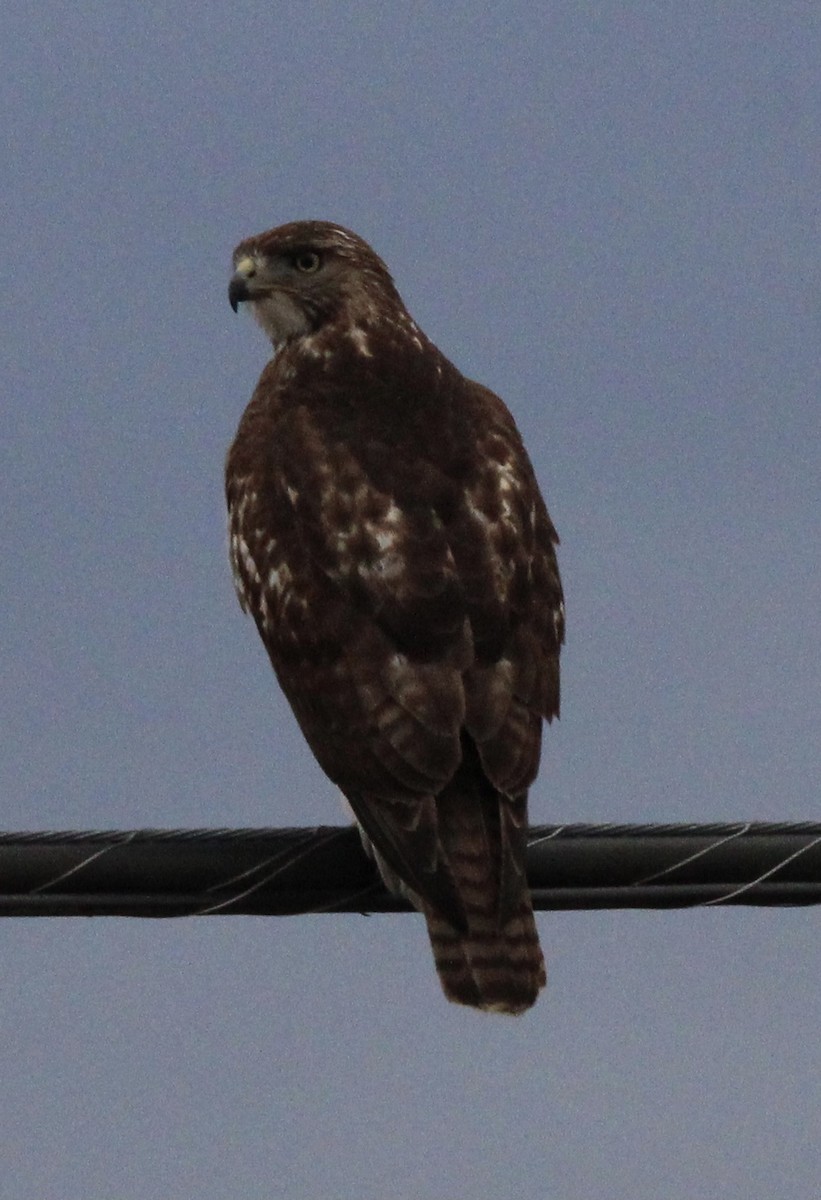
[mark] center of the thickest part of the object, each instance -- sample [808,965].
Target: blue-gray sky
[609,214]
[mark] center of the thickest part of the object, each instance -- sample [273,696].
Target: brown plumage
[389,539]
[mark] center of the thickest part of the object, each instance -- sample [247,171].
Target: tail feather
[497,969]
[461,862]
[497,963]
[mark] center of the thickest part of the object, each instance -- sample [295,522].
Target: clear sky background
[607,212]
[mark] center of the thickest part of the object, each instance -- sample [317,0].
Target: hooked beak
[238,290]
[245,268]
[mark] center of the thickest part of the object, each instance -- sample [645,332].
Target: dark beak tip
[237,292]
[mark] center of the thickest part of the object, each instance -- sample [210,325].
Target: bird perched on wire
[388,536]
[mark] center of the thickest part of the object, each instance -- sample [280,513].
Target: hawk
[388,537]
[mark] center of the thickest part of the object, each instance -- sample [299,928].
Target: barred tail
[496,962]
[499,969]
[459,857]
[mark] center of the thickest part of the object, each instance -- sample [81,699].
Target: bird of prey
[388,537]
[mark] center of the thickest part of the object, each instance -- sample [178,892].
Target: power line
[174,873]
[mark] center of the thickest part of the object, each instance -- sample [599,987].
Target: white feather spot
[279,579]
[360,340]
[509,484]
[245,556]
[313,348]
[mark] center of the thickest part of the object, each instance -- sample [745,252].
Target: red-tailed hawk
[389,539]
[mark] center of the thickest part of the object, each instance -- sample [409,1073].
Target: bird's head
[299,277]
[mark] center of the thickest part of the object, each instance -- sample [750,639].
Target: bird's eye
[307,261]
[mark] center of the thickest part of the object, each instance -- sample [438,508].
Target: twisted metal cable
[175,873]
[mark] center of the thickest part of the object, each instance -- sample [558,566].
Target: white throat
[280,317]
